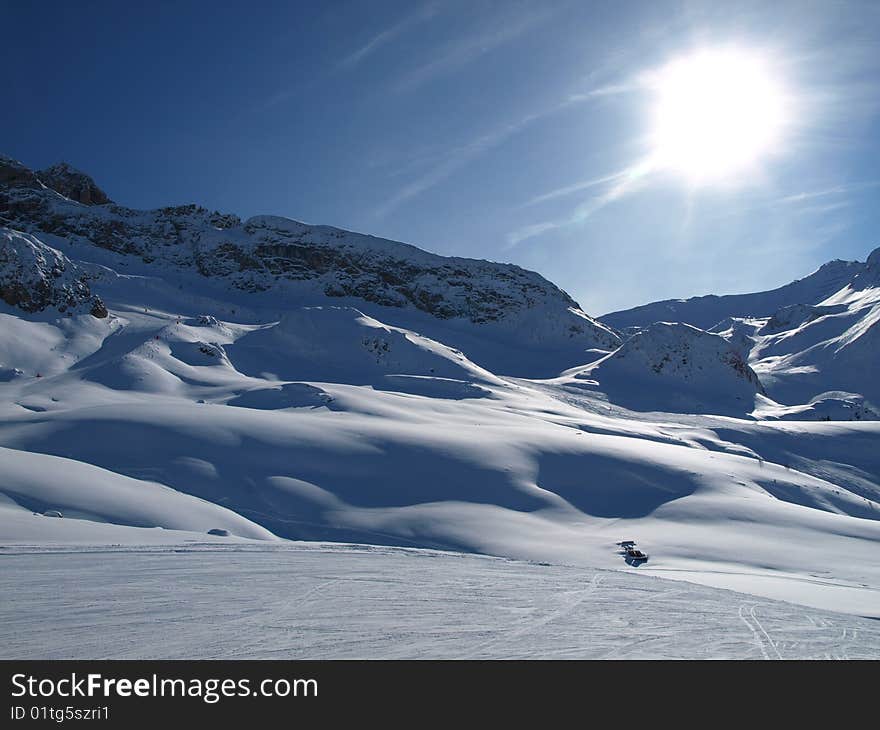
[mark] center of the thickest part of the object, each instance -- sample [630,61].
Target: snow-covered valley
[166,374]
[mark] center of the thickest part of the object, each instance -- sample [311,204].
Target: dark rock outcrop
[13,173]
[35,277]
[73,184]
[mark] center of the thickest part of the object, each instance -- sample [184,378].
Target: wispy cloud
[458,157]
[576,188]
[455,159]
[829,192]
[615,185]
[462,51]
[624,182]
[635,176]
[608,90]
[423,14]
[530,231]
[279,97]
[827,208]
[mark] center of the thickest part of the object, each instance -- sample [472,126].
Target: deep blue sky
[441,123]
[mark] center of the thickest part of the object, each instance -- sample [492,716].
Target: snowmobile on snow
[633,554]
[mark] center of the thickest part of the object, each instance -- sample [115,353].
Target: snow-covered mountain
[836,349]
[706,311]
[295,261]
[268,379]
[814,344]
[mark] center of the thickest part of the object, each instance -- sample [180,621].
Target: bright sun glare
[718,112]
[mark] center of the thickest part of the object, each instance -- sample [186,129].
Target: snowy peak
[706,311]
[868,278]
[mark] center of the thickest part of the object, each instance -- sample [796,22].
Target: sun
[717,113]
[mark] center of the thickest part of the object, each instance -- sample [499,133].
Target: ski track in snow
[480,650]
[755,635]
[758,631]
[764,632]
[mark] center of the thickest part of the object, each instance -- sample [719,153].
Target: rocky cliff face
[15,175]
[267,252]
[73,184]
[35,277]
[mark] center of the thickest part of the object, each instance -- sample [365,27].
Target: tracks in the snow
[762,639]
[526,626]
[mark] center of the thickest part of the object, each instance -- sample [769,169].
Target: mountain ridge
[267,252]
[814,354]
[708,310]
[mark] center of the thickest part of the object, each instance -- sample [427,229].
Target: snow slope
[362,602]
[43,484]
[344,345]
[519,468]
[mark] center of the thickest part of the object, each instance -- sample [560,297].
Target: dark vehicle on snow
[632,553]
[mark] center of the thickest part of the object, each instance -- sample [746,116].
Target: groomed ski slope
[335,601]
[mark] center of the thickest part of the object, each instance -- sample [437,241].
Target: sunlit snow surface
[185,412]
[144,421]
[336,601]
